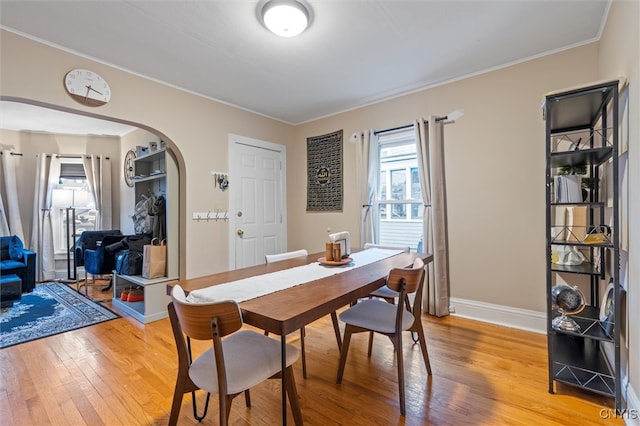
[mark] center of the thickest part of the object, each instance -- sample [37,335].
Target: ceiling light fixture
[286,18]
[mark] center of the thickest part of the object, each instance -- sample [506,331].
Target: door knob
[240,232]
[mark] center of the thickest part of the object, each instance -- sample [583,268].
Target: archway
[7,102]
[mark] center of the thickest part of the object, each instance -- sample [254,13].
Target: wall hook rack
[218,215]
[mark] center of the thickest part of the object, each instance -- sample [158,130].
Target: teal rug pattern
[51,308]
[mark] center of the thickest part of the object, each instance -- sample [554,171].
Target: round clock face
[128,167]
[87,87]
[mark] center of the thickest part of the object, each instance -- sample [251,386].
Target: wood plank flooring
[123,373]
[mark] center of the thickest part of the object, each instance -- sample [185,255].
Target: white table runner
[260,285]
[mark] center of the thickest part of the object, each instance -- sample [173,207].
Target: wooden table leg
[283,343]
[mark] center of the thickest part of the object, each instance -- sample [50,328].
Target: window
[399,197]
[72,191]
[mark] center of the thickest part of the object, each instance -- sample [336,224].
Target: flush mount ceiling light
[286,18]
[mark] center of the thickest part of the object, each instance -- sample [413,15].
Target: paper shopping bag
[154,262]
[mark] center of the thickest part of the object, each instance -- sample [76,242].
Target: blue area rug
[51,308]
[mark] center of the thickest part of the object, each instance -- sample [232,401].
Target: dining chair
[385,293]
[390,320]
[270,258]
[236,361]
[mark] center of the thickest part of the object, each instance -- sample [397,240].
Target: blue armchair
[91,253]
[15,260]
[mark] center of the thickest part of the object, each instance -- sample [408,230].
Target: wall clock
[87,87]
[129,170]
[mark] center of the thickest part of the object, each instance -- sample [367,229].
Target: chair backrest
[411,277]
[406,249]
[407,281]
[270,258]
[196,318]
[90,240]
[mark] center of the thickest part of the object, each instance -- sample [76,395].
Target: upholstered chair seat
[249,357]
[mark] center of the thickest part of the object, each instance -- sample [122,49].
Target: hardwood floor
[122,373]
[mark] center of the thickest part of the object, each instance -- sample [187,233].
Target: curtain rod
[453,116]
[12,153]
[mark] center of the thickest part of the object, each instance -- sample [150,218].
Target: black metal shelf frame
[581,128]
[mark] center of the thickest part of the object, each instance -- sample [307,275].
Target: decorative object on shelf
[141,151]
[607,308]
[568,301]
[324,172]
[570,224]
[567,188]
[598,235]
[87,87]
[586,182]
[569,255]
[129,170]
[153,146]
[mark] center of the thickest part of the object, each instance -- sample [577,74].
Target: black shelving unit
[581,127]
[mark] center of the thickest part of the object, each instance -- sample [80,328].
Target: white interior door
[256,207]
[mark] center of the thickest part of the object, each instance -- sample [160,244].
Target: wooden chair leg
[247,398]
[178,393]
[343,352]
[336,329]
[224,403]
[423,346]
[184,384]
[400,363]
[303,355]
[292,394]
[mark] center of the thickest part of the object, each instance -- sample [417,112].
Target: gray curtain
[430,153]
[10,219]
[97,168]
[367,171]
[47,175]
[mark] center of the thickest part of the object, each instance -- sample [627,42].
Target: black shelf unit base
[581,362]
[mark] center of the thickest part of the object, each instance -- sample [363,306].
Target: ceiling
[355,52]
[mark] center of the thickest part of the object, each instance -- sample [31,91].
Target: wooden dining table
[286,311]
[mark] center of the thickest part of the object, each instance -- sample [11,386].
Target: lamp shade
[286,18]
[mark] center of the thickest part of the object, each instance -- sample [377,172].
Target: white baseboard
[506,316]
[632,415]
